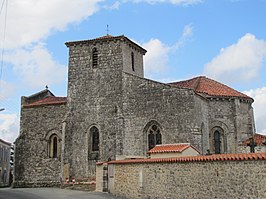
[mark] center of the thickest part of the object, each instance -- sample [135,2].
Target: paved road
[50,193]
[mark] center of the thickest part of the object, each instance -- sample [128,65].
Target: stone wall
[127,61]
[235,117]
[246,149]
[33,166]
[94,99]
[227,176]
[179,112]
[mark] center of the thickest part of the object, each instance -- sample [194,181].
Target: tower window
[95,138]
[94,58]
[132,61]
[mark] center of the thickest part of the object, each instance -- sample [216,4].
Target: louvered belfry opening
[94,58]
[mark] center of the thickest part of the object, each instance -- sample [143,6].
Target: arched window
[154,136]
[94,58]
[132,61]
[54,146]
[94,132]
[217,142]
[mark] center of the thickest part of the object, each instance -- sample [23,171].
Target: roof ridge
[197,82]
[44,90]
[173,144]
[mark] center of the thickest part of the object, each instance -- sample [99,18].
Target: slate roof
[207,158]
[259,139]
[170,148]
[50,100]
[210,88]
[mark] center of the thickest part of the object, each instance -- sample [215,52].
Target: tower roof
[210,88]
[105,39]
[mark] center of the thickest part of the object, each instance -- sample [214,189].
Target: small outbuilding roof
[171,148]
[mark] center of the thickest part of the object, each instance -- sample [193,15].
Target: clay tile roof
[209,87]
[209,158]
[51,100]
[169,148]
[258,139]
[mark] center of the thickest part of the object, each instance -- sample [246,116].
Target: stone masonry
[231,176]
[33,166]
[111,111]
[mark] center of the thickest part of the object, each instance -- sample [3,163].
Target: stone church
[112,112]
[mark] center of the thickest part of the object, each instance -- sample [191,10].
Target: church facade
[112,112]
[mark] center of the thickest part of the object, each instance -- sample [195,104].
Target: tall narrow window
[217,142]
[95,138]
[154,136]
[94,58]
[53,146]
[132,61]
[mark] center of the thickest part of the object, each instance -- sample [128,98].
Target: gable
[37,96]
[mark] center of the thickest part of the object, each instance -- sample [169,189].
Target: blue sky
[222,39]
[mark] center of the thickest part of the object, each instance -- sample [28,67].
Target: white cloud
[9,125]
[36,67]
[156,58]
[114,6]
[240,62]
[30,20]
[176,2]
[259,95]
[188,31]
[6,90]
[186,35]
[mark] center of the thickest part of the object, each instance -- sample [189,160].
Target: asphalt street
[51,193]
